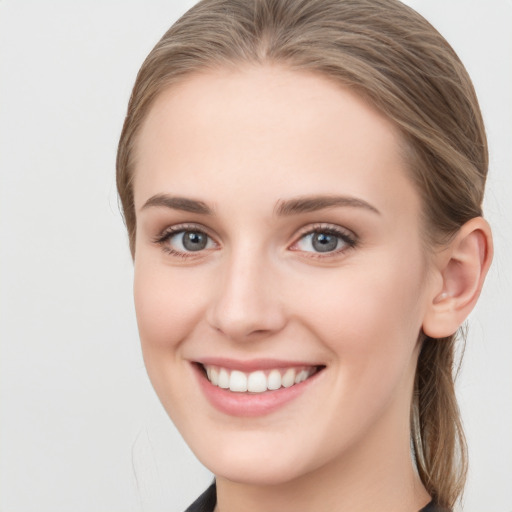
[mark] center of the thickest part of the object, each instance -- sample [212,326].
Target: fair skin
[227,159]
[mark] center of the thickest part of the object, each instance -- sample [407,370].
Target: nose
[246,304]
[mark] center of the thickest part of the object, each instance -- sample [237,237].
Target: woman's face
[278,239]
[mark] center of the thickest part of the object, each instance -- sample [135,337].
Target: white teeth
[238,381]
[301,376]
[274,380]
[258,381]
[214,375]
[223,379]
[289,378]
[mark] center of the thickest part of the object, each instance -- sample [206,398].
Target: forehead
[271,130]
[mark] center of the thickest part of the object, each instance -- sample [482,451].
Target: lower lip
[250,404]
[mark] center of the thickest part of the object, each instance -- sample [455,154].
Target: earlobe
[462,267]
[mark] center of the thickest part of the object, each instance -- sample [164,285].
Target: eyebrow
[287,207]
[307,204]
[178,203]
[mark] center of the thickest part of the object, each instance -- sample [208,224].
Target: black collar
[207,501]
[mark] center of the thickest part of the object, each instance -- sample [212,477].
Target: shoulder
[206,502]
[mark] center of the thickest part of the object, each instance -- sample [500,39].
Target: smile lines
[258,381]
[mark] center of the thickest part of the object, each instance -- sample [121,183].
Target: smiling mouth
[259,381]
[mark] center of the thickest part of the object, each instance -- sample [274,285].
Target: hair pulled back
[397,61]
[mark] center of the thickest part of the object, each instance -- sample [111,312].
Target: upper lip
[253,364]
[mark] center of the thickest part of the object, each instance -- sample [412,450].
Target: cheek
[370,326]
[169,306]
[371,317]
[168,302]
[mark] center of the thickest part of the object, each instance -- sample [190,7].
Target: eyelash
[346,236]
[171,231]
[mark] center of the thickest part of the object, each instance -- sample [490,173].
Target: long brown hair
[396,60]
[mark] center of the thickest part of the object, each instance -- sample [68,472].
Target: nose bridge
[245,301]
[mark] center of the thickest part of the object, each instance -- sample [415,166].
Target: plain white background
[81,429]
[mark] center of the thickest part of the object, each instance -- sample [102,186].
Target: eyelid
[177,228]
[347,235]
[325,226]
[168,232]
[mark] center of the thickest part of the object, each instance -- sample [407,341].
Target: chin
[258,473]
[254,466]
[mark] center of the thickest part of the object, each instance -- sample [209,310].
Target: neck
[391,485]
[319,493]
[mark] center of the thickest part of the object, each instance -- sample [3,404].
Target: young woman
[302,184]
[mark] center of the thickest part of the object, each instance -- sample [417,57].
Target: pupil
[194,241]
[323,242]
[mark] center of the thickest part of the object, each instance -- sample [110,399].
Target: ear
[461,268]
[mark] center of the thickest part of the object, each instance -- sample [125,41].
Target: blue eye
[324,241]
[184,241]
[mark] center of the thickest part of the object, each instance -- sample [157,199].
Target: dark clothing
[207,501]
